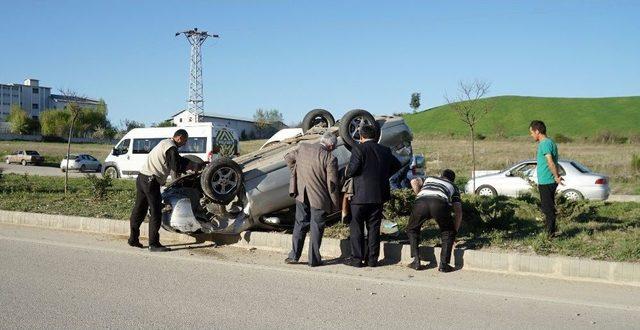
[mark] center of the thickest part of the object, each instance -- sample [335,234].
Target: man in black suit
[371,165]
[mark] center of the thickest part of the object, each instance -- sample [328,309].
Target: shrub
[574,211]
[482,213]
[100,186]
[561,138]
[635,163]
[480,136]
[609,137]
[26,183]
[400,204]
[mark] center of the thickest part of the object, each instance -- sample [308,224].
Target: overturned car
[251,191]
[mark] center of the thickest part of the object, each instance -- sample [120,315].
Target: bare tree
[75,110]
[470,107]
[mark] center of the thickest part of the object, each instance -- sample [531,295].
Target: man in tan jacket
[314,184]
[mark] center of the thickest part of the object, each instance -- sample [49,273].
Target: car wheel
[221,180]
[352,122]
[317,117]
[83,168]
[112,172]
[63,170]
[486,190]
[23,162]
[572,195]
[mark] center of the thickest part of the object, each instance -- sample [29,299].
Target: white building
[30,96]
[239,124]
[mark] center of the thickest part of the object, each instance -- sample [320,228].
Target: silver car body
[266,199]
[516,180]
[76,162]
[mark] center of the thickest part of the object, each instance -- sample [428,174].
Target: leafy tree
[165,123]
[54,122]
[470,107]
[267,121]
[19,120]
[415,102]
[128,125]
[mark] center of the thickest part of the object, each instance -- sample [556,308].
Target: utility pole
[196,38]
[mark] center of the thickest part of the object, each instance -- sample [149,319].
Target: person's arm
[395,163]
[416,185]
[174,162]
[290,158]
[553,168]
[457,209]
[355,162]
[332,182]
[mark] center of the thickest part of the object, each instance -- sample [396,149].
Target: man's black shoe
[355,263]
[415,265]
[290,261]
[135,244]
[158,248]
[372,264]
[321,263]
[445,268]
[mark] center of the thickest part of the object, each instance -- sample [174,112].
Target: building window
[36,90]
[35,106]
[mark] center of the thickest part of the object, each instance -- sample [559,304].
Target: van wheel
[352,122]
[221,180]
[317,117]
[112,172]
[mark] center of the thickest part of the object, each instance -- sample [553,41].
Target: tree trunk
[473,158]
[66,173]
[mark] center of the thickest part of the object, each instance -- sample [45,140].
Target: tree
[75,111]
[415,102]
[470,107]
[267,121]
[164,123]
[19,120]
[128,125]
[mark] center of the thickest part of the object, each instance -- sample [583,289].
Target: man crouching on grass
[547,170]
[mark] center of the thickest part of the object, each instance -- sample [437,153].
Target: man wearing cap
[436,198]
[163,160]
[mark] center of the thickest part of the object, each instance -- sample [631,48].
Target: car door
[93,163]
[517,179]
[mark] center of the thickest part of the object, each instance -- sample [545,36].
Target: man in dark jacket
[371,165]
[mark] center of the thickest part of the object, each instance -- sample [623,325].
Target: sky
[295,56]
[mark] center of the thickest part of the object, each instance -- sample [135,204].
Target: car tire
[83,168]
[486,190]
[111,171]
[221,180]
[572,195]
[63,170]
[317,117]
[350,126]
[23,162]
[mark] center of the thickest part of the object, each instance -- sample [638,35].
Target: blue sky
[298,55]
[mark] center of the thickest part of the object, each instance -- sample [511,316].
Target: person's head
[449,175]
[180,137]
[537,130]
[367,132]
[329,140]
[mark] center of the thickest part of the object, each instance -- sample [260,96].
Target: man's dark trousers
[426,208]
[308,217]
[548,205]
[371,215]
[147,199]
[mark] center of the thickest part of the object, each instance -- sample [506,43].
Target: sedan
[579,181]
[81,162]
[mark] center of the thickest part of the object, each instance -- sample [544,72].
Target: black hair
[368,132]
[182,133]
[538,125]
[449,175]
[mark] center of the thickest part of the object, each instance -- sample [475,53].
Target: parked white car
[81,162]
[579,181]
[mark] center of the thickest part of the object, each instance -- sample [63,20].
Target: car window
[580,167]
[195,145]
[20,152]
[32,153]
[144,146]
[89,157]
[525,170]
[123,146]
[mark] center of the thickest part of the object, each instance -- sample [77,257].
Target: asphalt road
[56,279]
[39,170]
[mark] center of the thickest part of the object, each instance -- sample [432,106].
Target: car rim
[572,195]
[225,180]
[356,124]
[111,172]
[485,192]
[319,120]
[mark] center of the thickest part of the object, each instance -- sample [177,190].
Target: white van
[205,141]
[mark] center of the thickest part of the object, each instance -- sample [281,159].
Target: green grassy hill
[573,117]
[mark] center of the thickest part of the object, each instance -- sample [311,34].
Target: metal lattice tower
[196,38]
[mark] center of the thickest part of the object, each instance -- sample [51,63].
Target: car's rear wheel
[572,195]
[486,190]
[23,162]
[221,180]
[83,168]
[112,172]
[352,122]
[63,170]
[317,117]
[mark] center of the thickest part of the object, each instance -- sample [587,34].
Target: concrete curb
[391,253]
